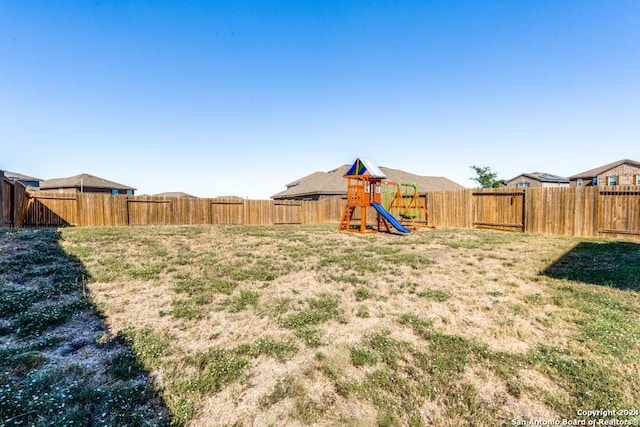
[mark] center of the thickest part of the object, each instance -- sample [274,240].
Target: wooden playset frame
[409,213]
[364,190]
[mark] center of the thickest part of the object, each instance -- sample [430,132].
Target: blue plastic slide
[386,215]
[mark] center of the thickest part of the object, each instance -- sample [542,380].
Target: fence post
[525,217]
[1,199]
[79,209]
[19,204]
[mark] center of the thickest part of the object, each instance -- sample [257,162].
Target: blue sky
[240,98]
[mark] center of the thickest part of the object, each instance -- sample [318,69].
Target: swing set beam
[409,212]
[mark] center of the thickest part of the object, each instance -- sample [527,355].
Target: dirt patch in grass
[300,325]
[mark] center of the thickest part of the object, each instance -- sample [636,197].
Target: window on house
[612,180]
[637,179]
[594,181]
[579,182]
[60,190]
[523,185]
[114,191]
[129,192]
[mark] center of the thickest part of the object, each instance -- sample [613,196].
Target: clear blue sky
[240,98]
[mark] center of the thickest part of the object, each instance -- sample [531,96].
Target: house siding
[626,175]
[555,184]
[533,183]
[85,190]
[586,182]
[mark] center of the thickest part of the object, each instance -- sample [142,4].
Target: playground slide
[382,211]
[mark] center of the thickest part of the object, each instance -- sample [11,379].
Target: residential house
[326,184]
[174,194]
[27,181]
[85,183]
[537,180]
[622,172]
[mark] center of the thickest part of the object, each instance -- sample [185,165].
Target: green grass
[319,321]
[363,356]
[287,387]
[42,289]
[606,263]
[47,316]
[608,323]
[319,310]
[242,300]
[435,295]
[279,350]
[215,368]
[148,345]
[362,294]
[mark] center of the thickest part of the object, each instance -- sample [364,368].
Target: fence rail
[588,211]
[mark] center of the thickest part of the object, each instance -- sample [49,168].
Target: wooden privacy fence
[60,210]
[588,211]
[13,201]
[584,211]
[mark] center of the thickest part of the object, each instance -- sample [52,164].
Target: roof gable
[542,177]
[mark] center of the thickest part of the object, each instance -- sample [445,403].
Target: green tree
[486,178]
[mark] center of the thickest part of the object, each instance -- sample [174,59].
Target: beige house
[622,172]
[85,183]
[537,180]
[326,184]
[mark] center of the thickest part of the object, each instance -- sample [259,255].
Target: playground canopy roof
[365,167]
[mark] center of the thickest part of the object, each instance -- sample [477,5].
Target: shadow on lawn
[58,363]
[614,264]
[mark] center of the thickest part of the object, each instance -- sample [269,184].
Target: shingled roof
[82,180]
[174,194]
[14,176]
[543,177]
[599,170]
[332,183]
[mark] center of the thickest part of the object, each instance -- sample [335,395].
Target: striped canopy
[364,167]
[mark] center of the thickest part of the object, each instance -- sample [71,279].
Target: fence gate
[619,212]
[501,210]
[226,212]
[287,213]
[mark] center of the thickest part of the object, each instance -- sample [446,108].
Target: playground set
[367,187]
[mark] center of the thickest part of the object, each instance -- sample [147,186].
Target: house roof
[174,194]
[82,180]
[542,177]
[14,176]
[332,183]
[599,170]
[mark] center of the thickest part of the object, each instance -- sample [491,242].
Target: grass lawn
[305,325]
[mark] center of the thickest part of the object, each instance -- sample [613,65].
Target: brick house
[537,180]
[622,172]
[85,183]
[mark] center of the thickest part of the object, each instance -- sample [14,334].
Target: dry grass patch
[298,325]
